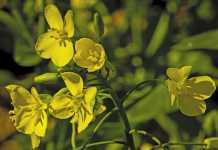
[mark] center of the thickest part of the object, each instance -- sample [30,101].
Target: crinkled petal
[35,140]
[20,96]
[101,61]
[90,99]
[53,17]
[64,106]
[201,88]
[179,74]
[74,82]
[62,53]
[41,124]
[69,25]
[190,106]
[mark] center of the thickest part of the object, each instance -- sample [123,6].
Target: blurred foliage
[141,38]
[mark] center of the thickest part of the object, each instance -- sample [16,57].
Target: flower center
[94,56]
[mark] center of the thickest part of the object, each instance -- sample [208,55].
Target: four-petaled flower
[189,94]
[56,43]
[77,103]
[29,115]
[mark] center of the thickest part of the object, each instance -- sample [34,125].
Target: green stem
[97,127]
[103,143]
[73,138]
[145,133]
[152,81]
[122,113]
[124,120]
[178,144]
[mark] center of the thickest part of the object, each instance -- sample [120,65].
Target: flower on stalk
[77,103]
[89,54]
[29,115]
[189,94]
[56,43]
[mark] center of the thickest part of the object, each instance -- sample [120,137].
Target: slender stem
[152,81]
[103,143]
[73,138]
[155,139]
[122,113]
[178,144]
[85,145]
[124,120]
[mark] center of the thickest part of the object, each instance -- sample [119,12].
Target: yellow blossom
[189,94]
[89,54]
[77,103]
[29,115]
[56,43]
[211,143]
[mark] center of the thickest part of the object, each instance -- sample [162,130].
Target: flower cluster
[56,44]
[30,114]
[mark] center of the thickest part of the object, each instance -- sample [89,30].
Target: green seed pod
[46,77]
[98,25]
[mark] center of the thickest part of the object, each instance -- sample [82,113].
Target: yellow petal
[74,82]
[62,53]
[83,120]
[82,47]
[35,94]
[190,106]
[24,119]
[201,87]
[84,44]
[64,106]
[100,109]
[69,26]
[45,43]
[90,99]
[101,60]
[53,17]
[35,141]
[20,96]
[179,74]
[41,124]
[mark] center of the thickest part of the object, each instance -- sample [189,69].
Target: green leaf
[205,40]
[25,55]
[150,105]
[159,34]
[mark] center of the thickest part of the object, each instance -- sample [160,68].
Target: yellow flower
[56,43]
[146,146]
[211,143]
[77,103]
[89,54]
[29,115]
[189,94]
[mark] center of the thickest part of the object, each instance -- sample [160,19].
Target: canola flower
[29,115]
[56,43]
[211,143]
[77,103]
[189,94]
[89,54]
